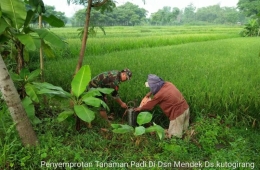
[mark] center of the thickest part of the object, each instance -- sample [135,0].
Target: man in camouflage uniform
[111,79]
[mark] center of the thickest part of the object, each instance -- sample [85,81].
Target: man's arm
[148,94]
[119,101]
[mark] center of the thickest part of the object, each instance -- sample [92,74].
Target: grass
[210,74]
[215,71]
[126,38]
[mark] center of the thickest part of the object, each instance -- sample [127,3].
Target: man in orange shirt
[172,103]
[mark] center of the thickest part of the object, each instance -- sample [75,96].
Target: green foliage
[28,91]
[108,14]
[217,77]
[82,101]
[53,21]
[80,81]
[208,131]
[30,110]
[61,143]
[38,5]
[13,14]
[142,118]
[15,28]
[119,128]
[203,64]
[249,7]
[251,29]
[130,14]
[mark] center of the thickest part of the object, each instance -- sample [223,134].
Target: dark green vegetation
[214,68]
[130,14]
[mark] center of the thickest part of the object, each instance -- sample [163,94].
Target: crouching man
[172,103]
[110,79]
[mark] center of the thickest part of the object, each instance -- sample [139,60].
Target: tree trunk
[19,59]
[82,52]
[13,101]
[84,39]
[83,44]
[41,53]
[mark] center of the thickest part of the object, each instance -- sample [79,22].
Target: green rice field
[213,67]
[216,70]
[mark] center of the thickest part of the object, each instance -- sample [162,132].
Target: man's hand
[124,105]
[148,94]
[137,109]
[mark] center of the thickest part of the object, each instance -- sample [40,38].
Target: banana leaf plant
[27,91]
[15,27]
[83,101]
[142,118]
[251,28]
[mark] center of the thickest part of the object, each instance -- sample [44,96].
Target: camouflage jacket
[109,79]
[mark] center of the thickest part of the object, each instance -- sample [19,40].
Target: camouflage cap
[128,72]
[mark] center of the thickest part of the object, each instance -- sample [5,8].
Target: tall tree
[165,16]
[14,29]
[249,7]
[100,4]
[12,99]
[79,17]
[85,36]
[131,13]
[189,13]
[209,14]
[103,4]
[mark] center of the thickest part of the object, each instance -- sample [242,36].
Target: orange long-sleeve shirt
[170,100]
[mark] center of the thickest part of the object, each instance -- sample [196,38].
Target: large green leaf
[123,129]
[64,115]
[26,55]
[92,93]
[3,25]
[27,40]
[63,94]
[92,101]
[15,11]
[29,109]
[144,117]
[47,88]
[84,113]
[47,50]
[80,80]
[37,40]
[115,126]
[31,92]
[15,77]
[53,21]
[139,130]
[50,37]
[29,17]
[156,128]
[33,75]
[24,74]
[105,105]
[105,90]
